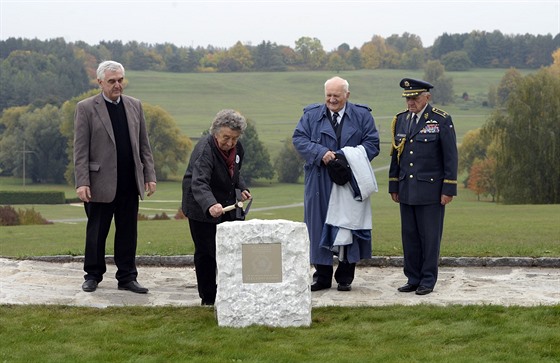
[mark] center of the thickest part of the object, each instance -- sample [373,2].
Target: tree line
[52,71]
[514,157]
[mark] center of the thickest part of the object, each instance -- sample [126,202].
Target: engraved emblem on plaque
[261,263]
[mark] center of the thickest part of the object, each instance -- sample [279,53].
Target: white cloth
[345,211]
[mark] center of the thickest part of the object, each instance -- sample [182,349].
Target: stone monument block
[263,273]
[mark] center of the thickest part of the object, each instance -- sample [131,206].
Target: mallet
[233,206]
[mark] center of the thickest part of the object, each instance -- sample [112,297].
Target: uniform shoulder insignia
[440,112]
[403,111]
[312,106]
[364,106]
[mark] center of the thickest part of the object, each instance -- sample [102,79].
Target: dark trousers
[421,229]
[204,238]
[124,209]
[344,273]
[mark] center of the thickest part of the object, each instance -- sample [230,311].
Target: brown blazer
[95,153]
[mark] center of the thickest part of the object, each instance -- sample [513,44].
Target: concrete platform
[40,282]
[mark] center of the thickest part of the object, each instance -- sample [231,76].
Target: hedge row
[32,197]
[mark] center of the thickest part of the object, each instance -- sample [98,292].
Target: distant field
[274,101]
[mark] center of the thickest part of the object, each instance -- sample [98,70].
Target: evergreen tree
[288,163]
[256,163]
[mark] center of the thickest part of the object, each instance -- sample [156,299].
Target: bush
[180,214]
[162,217]
[143,217]
[157,217]
[8,216]
[30,216]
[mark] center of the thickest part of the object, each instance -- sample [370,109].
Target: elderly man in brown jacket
[113,165]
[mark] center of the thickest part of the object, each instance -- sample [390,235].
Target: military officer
[423,180]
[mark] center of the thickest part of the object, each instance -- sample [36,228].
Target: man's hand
[446,199]
[84,193]
[395,197]
[329,155]
[150,188]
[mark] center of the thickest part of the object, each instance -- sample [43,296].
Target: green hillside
[274,101]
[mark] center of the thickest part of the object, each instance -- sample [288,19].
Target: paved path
[39,282]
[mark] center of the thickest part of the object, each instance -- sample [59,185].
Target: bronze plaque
[261,263]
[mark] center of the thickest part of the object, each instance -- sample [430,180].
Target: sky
[224,23]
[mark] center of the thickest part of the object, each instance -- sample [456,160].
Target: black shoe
[408,288]
[89,285]
[423,290]
[207,303]
[316,286]
[344,287]
[134,287]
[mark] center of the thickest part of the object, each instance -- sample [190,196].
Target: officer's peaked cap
[339,169]
[413,87]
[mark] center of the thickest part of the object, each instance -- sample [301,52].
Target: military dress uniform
[423,167]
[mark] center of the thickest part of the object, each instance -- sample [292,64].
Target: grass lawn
[472,227]
[384,334]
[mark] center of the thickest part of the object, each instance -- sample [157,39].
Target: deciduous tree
[456,61]
[442,93]
[310,51]
[236,59]
[555,67]
[170,147]
[527,134]
[33,134]
[507,85]
[373,52]
[473,146]
[482,179]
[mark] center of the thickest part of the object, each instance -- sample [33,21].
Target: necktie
[412,123]
[335,121]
